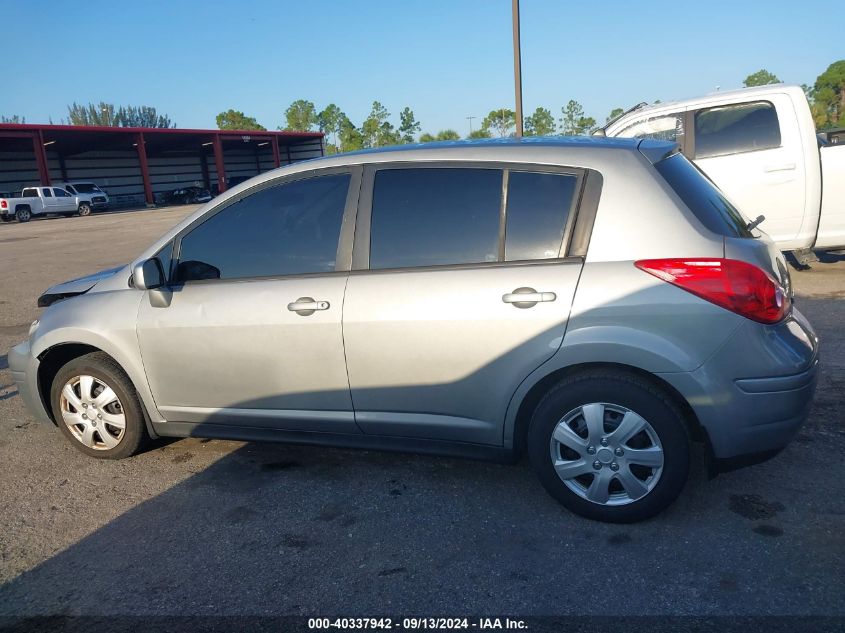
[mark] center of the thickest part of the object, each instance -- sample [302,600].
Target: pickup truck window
[30,192]
[743,127]
[703,197]
[60,193]
[47,193]
[666,127]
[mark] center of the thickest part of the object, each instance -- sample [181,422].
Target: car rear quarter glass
[537,210]
[702,197]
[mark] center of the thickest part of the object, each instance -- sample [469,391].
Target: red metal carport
[164,157]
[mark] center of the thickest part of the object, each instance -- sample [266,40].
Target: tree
[105,114]
[329,121]
[408,125]
[237,120]
[350,136]
[613,114]
[573,122]
[448,135]
[572,111]
[12,119]
[377,129]
[829,96]
[300,116]
[502,121]
[425,137]
[761,78]
[482,133]
[541,123]
[141,116]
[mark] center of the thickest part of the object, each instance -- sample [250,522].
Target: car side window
[287,229]
[47,193]
[60,193]
[538,207]
[435,217]
[743,127]
[70,189]
[666,127]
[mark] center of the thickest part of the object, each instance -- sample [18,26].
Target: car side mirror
[149,274]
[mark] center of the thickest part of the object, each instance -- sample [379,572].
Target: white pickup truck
[42,201]
[759,146]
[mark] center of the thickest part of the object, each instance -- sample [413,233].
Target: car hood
[74,287]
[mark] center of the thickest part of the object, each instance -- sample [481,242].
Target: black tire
[103,368]
[630,391]
[23,214]
[84,209]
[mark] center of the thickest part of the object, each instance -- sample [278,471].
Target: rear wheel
[84,209]
[610,446]
[23,214]
[97,409]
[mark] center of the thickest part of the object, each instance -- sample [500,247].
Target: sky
[445,59]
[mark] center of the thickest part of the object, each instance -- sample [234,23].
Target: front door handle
[527,297]
[306,306]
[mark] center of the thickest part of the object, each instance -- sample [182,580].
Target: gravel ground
[216,527]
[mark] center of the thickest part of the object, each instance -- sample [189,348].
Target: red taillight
[4,204]
[732,284]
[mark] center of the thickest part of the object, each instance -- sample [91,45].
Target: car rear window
[703,197]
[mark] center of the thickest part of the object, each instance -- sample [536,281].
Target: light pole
[470,118]
[517,68]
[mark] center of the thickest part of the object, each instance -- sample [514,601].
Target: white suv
[89,194]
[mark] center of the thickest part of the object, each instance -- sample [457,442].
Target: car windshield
[86,187]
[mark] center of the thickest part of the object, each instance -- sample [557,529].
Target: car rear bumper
[754,393]
[24,368]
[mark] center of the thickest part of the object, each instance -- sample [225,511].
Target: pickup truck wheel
[84,209]
[23,215]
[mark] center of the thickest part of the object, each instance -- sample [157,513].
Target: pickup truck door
[47,201]
[756,159]
[65,203]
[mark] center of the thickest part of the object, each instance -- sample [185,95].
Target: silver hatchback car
[596,303]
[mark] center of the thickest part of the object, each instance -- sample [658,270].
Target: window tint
[537,209]
[737,128]
[702,197]
[430,217]
[26,193]
[84,187]
[47,193]
[283,230]
[60,193]
[666,127]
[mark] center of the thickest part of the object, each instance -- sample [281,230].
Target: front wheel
[610,446]
[23,215]
[96,407]
[84,209]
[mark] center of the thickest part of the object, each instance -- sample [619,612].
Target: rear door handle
[306,306]
[785,167]
[527,297]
